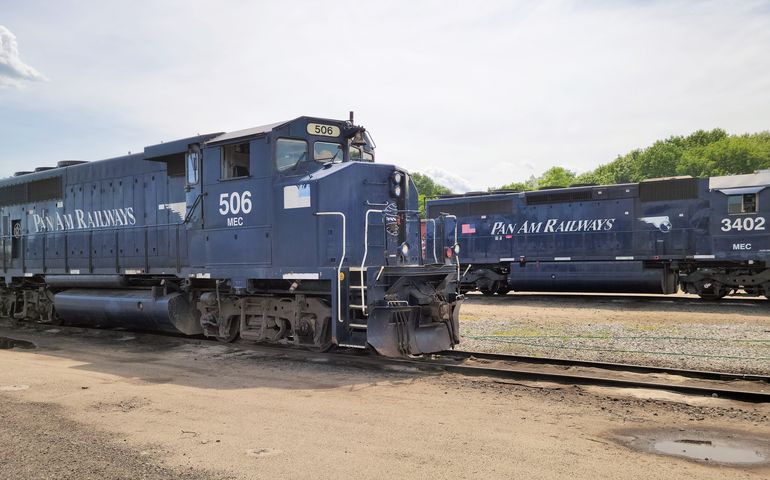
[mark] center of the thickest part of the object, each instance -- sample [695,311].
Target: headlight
[395,184]
[405,249]
[457,249]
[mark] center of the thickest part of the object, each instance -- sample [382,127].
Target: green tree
[427,187]
[556,177]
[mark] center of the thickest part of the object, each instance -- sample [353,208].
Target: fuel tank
[145,309]
[611,277]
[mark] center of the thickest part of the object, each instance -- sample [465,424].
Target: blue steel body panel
[594,225]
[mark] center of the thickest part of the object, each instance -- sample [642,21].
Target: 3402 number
[234,203]
[743,223]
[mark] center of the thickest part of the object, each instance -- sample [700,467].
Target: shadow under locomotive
[158,359]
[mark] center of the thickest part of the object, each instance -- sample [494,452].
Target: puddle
[8,343]
[722,447]
[710,450]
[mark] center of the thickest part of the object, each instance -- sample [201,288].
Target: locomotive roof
[247,132]
[760,178]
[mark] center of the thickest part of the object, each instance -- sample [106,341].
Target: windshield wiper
[299,160]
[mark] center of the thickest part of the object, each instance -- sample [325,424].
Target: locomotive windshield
[357,154]
[289,153]
[327,152]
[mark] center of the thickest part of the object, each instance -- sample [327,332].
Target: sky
[475,94]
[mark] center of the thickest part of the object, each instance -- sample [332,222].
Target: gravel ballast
[682,331]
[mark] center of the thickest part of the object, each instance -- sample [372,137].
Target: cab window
[289,153]
[327,152]
[235,161]
[746,203]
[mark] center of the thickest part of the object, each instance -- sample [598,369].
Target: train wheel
[324,342]
[712,292]
[503,290]
[235,330]
[493,289]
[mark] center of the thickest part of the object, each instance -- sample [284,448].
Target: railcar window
[746,203]
[289,153]
[327,152]
[235,161]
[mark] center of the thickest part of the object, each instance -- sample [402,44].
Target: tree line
[704,153]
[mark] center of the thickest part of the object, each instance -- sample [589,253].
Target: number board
[323,130]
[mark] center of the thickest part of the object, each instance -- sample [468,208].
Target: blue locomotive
[285,233]
[709,236]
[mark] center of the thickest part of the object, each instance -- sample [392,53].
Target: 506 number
[743,223]
[234,203]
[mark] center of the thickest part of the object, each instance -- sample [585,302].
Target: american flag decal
[468,228]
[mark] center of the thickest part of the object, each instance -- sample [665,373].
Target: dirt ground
[120,405]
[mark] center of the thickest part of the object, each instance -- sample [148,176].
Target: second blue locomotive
[709,236]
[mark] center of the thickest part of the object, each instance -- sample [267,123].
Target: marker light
[449,252]
[457,249]
[405,249]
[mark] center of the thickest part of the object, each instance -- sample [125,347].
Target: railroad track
[735,386]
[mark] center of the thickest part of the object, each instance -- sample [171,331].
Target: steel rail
[626,367]
[714,390]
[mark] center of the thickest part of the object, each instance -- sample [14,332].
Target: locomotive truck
[285,233]
[707,236]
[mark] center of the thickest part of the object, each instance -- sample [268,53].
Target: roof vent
[68,163]
[43,169]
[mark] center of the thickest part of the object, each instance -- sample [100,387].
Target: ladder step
[357,269]
[361,326]
[358,307]
[360,287]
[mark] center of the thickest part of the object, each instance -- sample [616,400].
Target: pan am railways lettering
[553,225]
[115,217]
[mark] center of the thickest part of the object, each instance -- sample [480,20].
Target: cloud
[455,183]
[14,72]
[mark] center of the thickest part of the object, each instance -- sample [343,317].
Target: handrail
[457,256]
[192,208]
[339,267]
[366,252]
[88,232]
